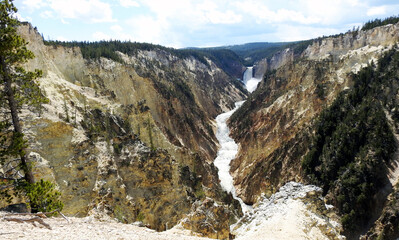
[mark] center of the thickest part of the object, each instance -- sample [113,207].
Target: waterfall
[228,148]
[250,82]
[248,74]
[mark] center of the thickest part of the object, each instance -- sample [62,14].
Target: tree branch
[31,220]
[39,214]
[38,217]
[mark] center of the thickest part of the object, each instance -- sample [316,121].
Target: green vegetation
[106,49]
[378,22]
[109,49]
[43,197]
[253,52]
[17,88]
[140,217]
[353,142]
[190,179]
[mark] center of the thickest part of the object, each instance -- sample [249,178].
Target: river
[228,148]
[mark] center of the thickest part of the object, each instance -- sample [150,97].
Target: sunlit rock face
[272,127]
[296,211]
[133,140]
[208,218]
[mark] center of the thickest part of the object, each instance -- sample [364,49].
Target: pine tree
[17,86]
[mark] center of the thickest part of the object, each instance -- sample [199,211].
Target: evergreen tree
[17,86]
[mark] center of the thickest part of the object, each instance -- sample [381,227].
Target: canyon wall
[132,140]
[273,127]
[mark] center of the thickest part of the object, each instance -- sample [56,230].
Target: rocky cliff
[271,123]
[275,126]
[134,139]
[277,60]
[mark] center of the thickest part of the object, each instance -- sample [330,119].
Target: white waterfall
[250,82]
[228,148]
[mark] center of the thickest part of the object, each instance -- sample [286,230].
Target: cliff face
[273,126]
[277,60]
[131,140]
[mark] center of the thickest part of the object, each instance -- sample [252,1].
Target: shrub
[43,197]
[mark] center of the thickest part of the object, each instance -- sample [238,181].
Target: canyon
[173,140]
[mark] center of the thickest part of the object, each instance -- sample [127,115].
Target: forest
[353,143]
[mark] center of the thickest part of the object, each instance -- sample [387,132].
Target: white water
[250,82]
[227,152]
[228,148]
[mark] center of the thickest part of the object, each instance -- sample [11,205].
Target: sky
[199,23]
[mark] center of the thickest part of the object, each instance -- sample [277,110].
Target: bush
[43,197]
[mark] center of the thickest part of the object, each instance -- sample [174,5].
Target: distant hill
[250,53]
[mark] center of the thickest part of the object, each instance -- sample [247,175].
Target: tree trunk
[15,119]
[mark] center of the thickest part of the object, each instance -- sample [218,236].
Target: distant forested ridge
[380,22]
[223,58]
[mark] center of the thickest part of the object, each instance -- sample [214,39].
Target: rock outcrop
[277,60]
[386,226]
[209,219]
[296,211]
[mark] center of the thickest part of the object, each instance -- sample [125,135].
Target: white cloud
[182,23]
[148,29]
[208,12]
[119,33]
[171,22]
[98,36]
[92,11]
[261,13]
[381,10]
[287,33]
[117,28]
[129,3]
[32,5]
[329,12]
[22,19]
[62,39]
[47,14]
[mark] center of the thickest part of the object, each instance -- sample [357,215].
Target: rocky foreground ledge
[86,228]
[296,211]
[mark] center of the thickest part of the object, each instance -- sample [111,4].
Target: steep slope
[275,125]
[133,140]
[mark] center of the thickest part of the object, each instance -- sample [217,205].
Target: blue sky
[201,23]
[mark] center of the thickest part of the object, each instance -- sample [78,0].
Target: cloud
[119,33]
[47,14]
[32,5]
[287,33]
[173,22]
[22,19]
[129,3]
[116,28]
[208,12]
[261,13]
[62,39]
[92,11]
[148,29]
[373,11]
[183,23]
[98,36]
